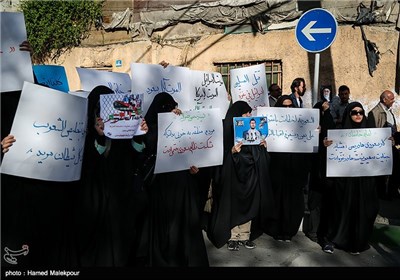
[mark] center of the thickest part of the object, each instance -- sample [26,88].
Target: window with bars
[273,70]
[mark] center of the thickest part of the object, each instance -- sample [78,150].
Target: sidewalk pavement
[302,252]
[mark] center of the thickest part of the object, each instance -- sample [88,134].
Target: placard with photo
[250,130]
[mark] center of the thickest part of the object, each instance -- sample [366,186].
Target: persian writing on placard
[151,79]
[53,76]
[359,152]
[250,84]
[291,130]
[209,91]
[194,138]
[50,129]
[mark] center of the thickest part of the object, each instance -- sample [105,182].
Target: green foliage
[54,27]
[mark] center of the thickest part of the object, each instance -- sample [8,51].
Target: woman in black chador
[176,238]
[112,210]
[289,172]
[320,190]
[36,215]
[356,202]
[242,193]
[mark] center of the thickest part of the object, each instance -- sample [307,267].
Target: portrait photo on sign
[250,130]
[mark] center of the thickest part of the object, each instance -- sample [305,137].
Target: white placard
[90,78]
[193,138]
[250,84]
[291,130]
[209,91]
[359,152]
[16,65]
[121,114]
[80,93]
[49,128]
[151,79]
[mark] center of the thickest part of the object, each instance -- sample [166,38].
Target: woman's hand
[177,111]
[325,106]
[263,143]
[237,148]
[327,142]
[25,46]
[193,170]
[99,126]
[7,142]
[143,126]
[164,64]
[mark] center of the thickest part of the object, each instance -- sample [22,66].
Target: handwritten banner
[359,152]
[209,91]
[151,79]
[250,130]
[16,65]
[193,138]
[291,130]
[90,78]
[121,114]
[250,84]
[53,76]
[49,128]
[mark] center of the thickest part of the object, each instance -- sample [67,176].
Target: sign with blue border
[316,30]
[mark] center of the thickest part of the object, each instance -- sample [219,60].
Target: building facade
[195,35]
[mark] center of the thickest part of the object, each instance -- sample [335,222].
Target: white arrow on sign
[307,30]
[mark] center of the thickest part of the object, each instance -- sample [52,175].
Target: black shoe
[328,248]
[249,244]
[233,245]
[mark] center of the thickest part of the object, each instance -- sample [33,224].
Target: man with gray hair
[382,116]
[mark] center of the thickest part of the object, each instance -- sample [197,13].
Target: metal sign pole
[315,32]
[316,80]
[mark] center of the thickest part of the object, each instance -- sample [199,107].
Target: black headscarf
[236,110]
[347,122]
[94,104]
[162,103]
[279,102]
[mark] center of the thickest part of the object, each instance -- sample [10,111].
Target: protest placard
[49,128]
[359,152]
[16,65]
[291,130]
[250,130]
[194,138]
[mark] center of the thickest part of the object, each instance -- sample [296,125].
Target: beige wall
[343,63]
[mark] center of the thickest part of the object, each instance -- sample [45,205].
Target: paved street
[302,252]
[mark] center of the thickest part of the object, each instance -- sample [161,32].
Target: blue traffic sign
[316,30]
